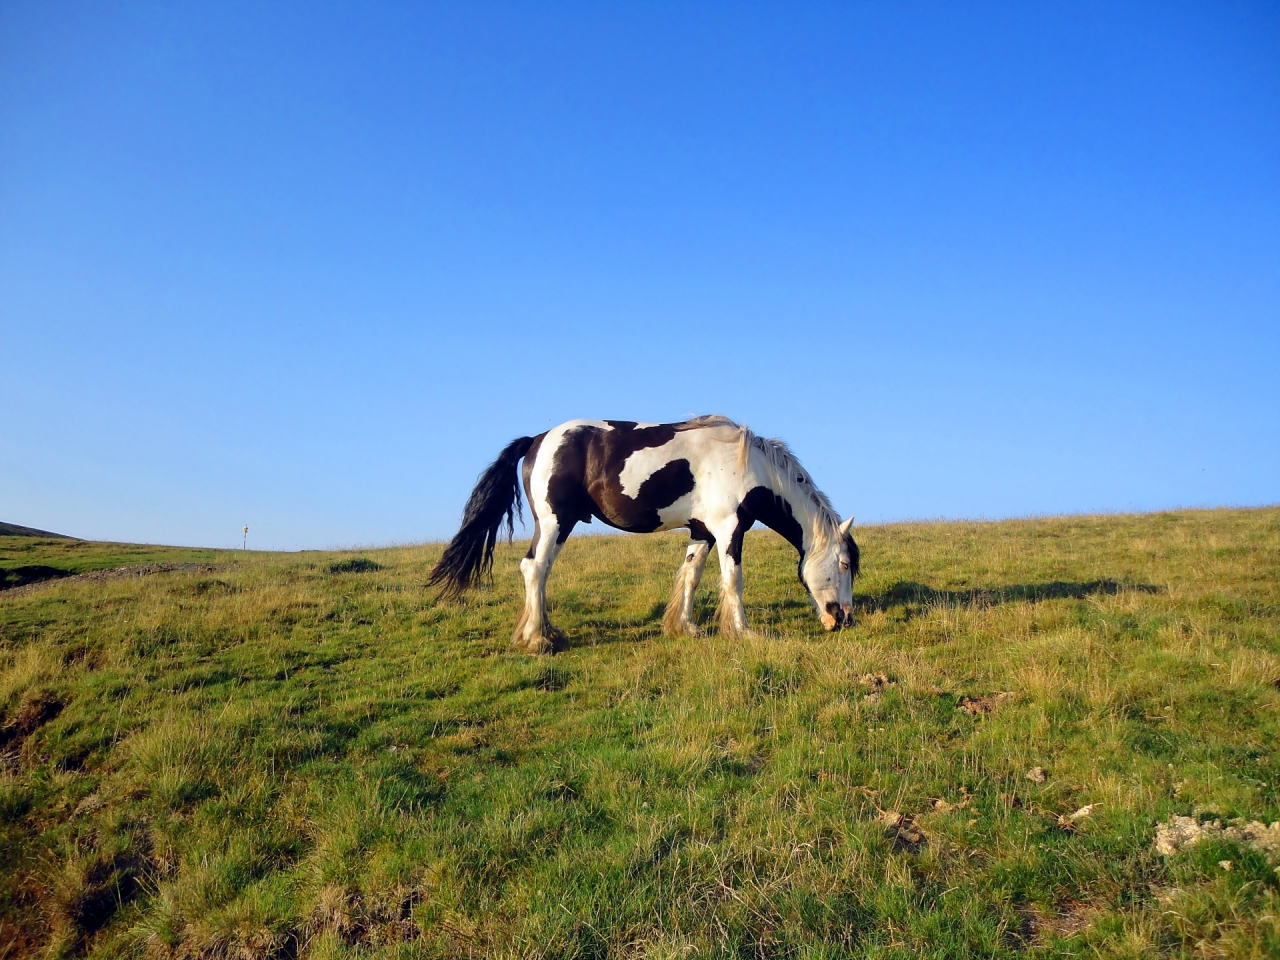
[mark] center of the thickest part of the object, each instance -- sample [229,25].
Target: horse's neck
[767,464]
[803,511]
[809,517]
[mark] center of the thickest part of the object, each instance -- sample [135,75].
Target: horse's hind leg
[534,632]
[678,620]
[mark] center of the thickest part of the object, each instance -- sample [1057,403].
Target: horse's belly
[663,502]
[677,514]
[671,517]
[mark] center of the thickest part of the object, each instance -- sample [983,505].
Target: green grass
[25,560]
[298,754]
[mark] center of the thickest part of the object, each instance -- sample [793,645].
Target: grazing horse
[707,474]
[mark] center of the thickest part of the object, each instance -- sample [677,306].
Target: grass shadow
[355,565]
[32,573]
[909,592]
[597,630]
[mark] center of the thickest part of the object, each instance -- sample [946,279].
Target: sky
[308,267]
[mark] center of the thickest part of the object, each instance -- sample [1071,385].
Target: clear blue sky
[307,267]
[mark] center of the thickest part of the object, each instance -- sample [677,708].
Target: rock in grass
[1177,833]
[1180,833]
[1068,822]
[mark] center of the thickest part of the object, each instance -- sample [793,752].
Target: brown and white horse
[707,474]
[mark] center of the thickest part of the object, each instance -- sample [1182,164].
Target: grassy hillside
[27,560]
[303,754]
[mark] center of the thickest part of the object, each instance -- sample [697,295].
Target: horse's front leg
[678,620]
[733,617]
[534,632]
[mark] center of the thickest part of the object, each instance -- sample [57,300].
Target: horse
[709,474]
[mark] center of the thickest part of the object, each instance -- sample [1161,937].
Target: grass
[304,754]
[27,560]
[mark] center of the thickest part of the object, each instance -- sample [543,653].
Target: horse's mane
[788,475]
[706,420]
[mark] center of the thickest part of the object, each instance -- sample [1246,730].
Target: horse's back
[636,476]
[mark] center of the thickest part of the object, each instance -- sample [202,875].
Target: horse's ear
[845,527]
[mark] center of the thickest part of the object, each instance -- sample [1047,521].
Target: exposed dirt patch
[106,885]
[357,921]
[23,930]
[877,684]
[942,805]
[902,830]
[37,708]
[1038,928]
[987,703]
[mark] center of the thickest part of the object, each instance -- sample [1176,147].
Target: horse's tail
[469,556]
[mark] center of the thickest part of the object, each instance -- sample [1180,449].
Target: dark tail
[469,556]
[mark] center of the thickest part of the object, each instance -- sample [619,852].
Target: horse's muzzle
[835,616]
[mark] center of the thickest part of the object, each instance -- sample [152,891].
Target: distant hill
[14,530]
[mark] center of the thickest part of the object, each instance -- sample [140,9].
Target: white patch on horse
[644,463]
[540,477]
[709,456]
[678,514]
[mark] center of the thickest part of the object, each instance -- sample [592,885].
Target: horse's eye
[844,567]
[799,479]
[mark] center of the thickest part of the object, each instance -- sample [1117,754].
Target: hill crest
[17,530]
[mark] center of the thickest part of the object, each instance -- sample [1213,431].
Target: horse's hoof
[540,646]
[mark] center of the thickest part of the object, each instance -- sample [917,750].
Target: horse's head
[827,572]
